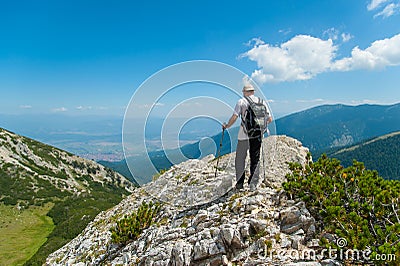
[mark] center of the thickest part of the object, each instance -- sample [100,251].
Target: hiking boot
[252,188]
[239,186]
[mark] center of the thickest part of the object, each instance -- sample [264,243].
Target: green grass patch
[22,233]
[72,215]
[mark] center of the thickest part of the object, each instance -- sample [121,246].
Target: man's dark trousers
[254,144]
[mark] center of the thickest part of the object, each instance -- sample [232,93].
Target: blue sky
[88,57]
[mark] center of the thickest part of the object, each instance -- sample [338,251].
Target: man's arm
[269,118]
[232,120]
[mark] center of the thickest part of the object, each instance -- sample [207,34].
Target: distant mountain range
[47,196]
[381,154]
[329,126]
[320,129]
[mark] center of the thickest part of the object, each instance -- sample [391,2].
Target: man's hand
[230,123]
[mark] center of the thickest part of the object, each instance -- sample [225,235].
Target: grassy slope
[69,213]
[72,215]
[23,232]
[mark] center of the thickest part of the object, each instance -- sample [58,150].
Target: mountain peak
[202,221]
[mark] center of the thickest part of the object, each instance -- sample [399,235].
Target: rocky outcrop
[203,221]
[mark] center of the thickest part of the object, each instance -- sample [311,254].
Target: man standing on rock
[246,142]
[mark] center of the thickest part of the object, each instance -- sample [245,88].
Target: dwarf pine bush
[131,227]
[354,203]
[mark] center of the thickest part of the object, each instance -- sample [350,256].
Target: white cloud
[303,57]
[25,106]
[255,42]
[387,7]
[148,105]
[346,37]
[388,11]
[332,34]
[82,108]
[375,4]
[61,109]
[365,101]
[191,104]
[380,54]
[318,100]
[300,58]
[285,31]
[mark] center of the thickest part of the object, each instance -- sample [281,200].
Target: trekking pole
[262,151]
[219,150]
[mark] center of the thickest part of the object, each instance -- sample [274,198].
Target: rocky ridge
[204,222]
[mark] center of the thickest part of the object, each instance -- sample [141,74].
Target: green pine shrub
[353,203]
[160,173]
[131,227]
